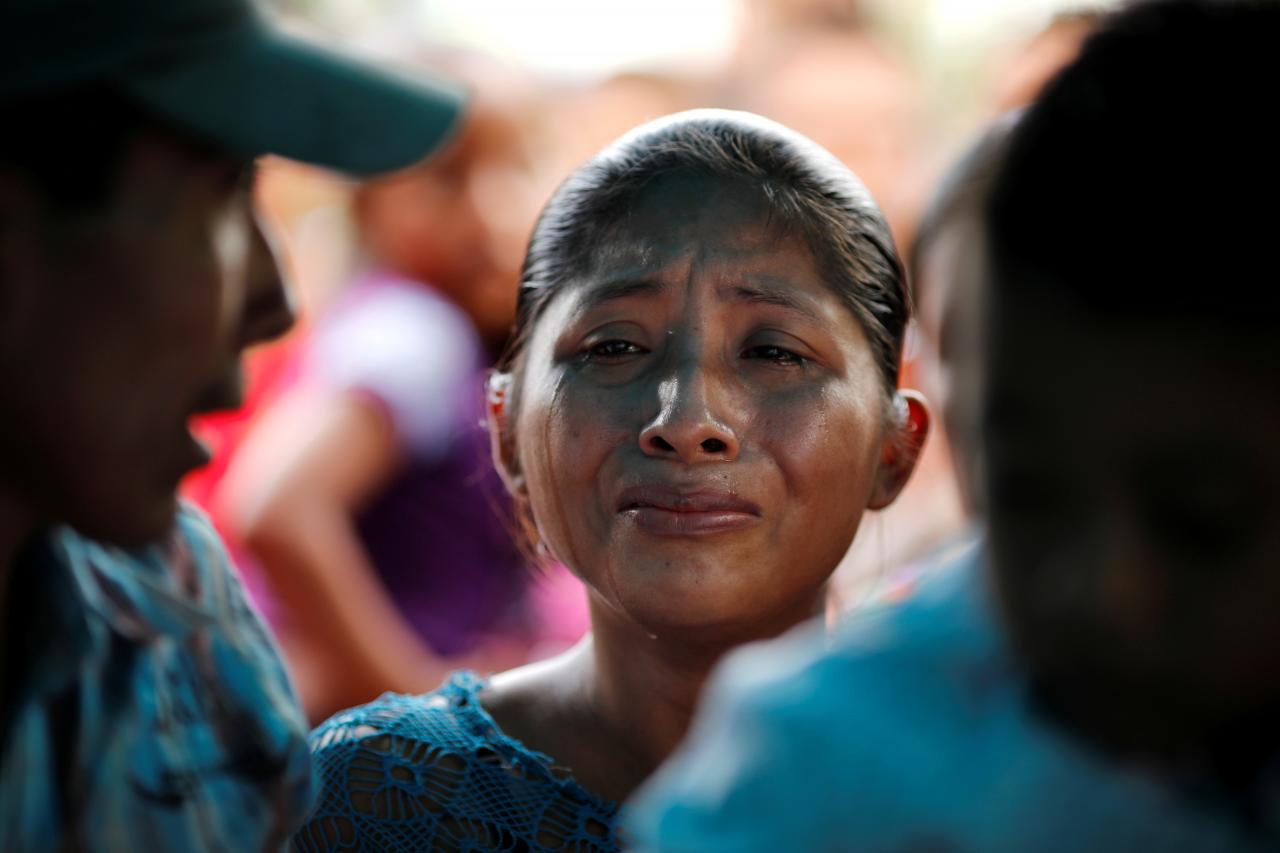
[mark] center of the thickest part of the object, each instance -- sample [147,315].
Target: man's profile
[142,704]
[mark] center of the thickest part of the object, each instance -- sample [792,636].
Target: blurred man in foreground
[1106,677]
[143,705]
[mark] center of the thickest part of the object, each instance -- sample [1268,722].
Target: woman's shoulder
[416,772]
[449,718]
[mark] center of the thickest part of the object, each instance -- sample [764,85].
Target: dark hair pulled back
[804,188]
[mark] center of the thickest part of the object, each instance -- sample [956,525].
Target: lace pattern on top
[435,772]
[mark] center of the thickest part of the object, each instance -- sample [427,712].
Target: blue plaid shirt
[147,708]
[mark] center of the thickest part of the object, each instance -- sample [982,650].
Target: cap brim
[266,93]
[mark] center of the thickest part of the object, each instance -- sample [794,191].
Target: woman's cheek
[793,425]
[826,440]
[539,470]
[561,427]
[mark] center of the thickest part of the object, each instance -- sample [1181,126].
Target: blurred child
[367,494]
[1108,679]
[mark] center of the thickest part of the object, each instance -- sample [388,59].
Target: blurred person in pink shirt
[367,494]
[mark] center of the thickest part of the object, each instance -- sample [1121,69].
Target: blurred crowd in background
[354,488]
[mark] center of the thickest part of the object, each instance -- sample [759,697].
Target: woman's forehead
[746,271]
[685,233]
[731,258]
[682,197]
[639,249]
[716,218]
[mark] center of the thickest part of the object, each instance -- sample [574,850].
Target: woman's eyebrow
[622,288]
[768,290]
[759,289]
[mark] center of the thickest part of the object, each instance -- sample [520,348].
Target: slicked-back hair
[804,189]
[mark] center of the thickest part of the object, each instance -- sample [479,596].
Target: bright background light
[588,39]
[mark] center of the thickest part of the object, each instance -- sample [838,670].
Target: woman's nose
[687,428]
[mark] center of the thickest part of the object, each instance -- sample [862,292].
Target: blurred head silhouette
[133,268]
[1131,409]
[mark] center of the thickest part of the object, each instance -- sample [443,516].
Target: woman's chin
[697,603]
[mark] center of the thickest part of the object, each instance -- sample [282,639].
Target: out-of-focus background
[353,488]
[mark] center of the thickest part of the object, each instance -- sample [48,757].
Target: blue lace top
[434,772]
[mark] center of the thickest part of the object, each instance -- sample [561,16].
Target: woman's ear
[501,436]
[901,449]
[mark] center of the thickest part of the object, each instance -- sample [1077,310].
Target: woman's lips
[665,511]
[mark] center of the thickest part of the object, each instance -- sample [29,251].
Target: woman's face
[699,421]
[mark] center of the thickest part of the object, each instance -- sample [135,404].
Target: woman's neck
[642,689]
[613,708]
[645,689]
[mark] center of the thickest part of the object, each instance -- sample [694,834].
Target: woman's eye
[612,349]
[776,354]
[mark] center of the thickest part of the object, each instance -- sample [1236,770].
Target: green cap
[217,69]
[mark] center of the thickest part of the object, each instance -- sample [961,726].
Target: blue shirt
[434,772]
[909,729]
[148,708]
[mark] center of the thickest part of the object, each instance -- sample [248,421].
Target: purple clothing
[440,536]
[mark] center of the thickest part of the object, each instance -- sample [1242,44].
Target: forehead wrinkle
[596,294]
[766,289]
[641,261]
[625,268]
